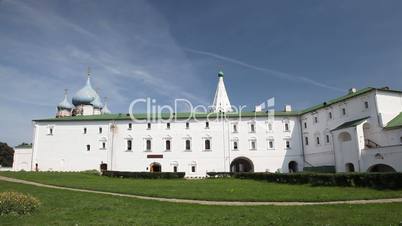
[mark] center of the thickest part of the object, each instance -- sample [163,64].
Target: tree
[6,155]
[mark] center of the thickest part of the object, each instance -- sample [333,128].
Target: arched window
[344,136]
[88,147]
[167,145]
[207,144]
[235,145]
[148,145]
[129,145]
[188,145]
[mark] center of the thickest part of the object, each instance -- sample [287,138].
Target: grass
[74,208]
[209,189]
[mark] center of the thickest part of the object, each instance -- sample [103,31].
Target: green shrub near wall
[144,175]
[320,169]
[17,203]
[371,180]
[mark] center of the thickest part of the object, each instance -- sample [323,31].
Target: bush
[91,172]
[144,175]
[371,180]
[320,169]
[220,174]
[17,203]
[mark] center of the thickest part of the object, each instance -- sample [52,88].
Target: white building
[360,131]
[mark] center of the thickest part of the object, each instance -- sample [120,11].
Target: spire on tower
[221,100]
[89,72]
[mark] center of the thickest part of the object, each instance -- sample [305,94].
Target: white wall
[22,159]
[65,149]
[323,153]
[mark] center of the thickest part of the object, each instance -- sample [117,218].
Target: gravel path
[204,202]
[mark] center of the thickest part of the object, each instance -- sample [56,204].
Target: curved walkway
[203,202]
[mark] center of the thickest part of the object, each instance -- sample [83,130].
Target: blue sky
[300,52]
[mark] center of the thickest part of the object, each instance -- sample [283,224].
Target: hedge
[371,180]
[220,174]
[144,175]
[320,169]
[16,203]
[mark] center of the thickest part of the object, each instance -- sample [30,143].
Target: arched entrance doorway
[381,168]
[349,167]
[155,167]
[293,168]
[241,164]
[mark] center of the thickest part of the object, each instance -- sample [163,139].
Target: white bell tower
[221,100]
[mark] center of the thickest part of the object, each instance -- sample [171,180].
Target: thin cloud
[278,74]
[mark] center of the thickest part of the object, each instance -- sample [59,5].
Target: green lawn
[74,208]
[208,189]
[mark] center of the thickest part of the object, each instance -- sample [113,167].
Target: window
[88,147]
[129,145]
[175,169]
[207,144]
[287,144]
[252,128]
[316,119]
[207,125]
[187,125]
[253,144]
[401,139]
[50,131]
[149,125]
[168,125]
[100,129]
[327,138]
[234,128]
[130,126]
[85,130]
[343,111]
[366,104]
[167,145]
[235,145]
[330,115]
[305,125]
[148,145]
[269,126]
[188,145]
[103,145]
[271,144]
[286,126]
[318,140]
[193,169]
[306,140]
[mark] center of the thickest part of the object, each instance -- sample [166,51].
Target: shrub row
[144,175]
[320,169]
[17,203]
[371,180]
[220,174]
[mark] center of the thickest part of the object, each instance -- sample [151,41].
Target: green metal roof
[345,97]
[24,145]
[181,115]
[395,122]
[187,115]
[352,123]
[337,100]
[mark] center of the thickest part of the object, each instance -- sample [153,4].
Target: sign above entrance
[155,156]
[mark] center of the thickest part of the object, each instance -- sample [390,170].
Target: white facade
[22,158]
[348,133]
